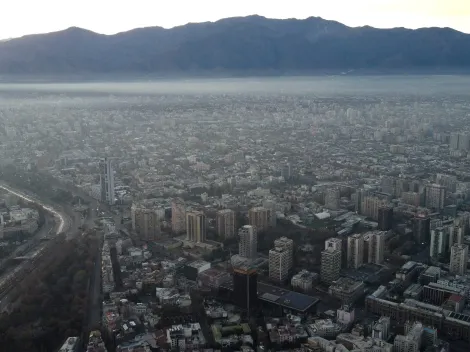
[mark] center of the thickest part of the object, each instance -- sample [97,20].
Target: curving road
[64,220]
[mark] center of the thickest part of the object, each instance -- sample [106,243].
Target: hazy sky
[19,17]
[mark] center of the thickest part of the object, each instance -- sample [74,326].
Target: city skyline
[109,18]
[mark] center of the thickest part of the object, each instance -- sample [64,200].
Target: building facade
[355,257]
[261,218]
[196,226]
[458,259]
[376,248]
[178,216]
[107,181]
[225,220]
[248,245]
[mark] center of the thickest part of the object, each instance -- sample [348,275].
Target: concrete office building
[107,181]
[422,229]
[261,218]
[376,248]
[225,220]
[248,245]
[355,257]
[245,294]
[435,197]
[178,216]
[332,198]
[458,259]
[196,226]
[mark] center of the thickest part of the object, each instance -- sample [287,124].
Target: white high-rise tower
[107,181]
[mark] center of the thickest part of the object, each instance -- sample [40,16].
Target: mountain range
[252,43]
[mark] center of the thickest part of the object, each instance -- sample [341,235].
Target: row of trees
[52,307]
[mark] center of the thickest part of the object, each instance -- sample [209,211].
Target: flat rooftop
[285,298]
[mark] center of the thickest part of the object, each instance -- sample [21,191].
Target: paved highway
[64,220]
[64,224]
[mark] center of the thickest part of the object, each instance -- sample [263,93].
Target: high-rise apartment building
[261,218]
[456,235]
[146,221]
[280,259]
[370,206]
[332,198]
[411,198]
[331,260]
[388,185]
[287,243]
[225,221]
[402,185]
[355,251]
[454,141]
[178,216]
[439,241]
[376,248]
[435,196]
[107,181]
[248,245]
[458,259]
[447,181]
[385,218]
[196,226]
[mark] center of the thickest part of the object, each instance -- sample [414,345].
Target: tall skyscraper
[435,196]
[439,241]
[178,216]
[260,217]
[331,261]
[376,248]
[107,181]
[355,251]
[332,198]
[422,229]
[278,264]
[281,259]
[458,259]
[456,235]
[245,288]
[385,218]
[196,226]
[248,245]
[225,220]
[288,244]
